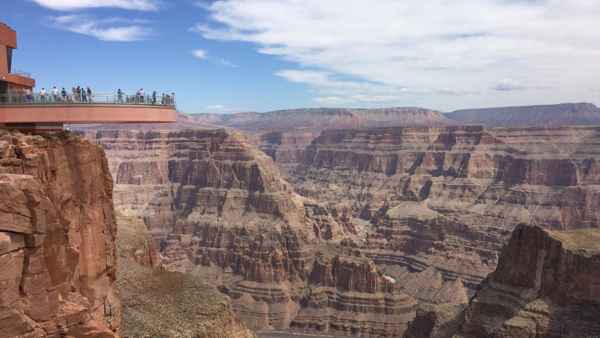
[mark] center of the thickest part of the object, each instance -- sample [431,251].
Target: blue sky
[260,55]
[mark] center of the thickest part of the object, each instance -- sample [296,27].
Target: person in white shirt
[55,93]
[43,95]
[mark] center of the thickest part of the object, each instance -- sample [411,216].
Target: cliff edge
[57,238]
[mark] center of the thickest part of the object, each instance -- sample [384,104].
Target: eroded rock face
[348,295]
[546,285]
[216,205]
[448,198]
[218,209]
[57,238]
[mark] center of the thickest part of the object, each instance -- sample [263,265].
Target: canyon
[327,228]
[217,209]
[303,237]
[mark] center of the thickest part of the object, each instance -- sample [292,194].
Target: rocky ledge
[57,239]
[546,285]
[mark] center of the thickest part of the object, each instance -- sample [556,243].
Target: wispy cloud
[109,29]
[199,54]
[69,5]
[407,50]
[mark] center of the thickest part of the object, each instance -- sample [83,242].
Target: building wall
[4,60]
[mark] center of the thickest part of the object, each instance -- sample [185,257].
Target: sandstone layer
[57,239]
[546,285]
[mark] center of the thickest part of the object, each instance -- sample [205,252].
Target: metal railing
[21,73]
[161,99]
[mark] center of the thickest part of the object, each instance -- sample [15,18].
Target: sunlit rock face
[57,238]
[546,285]
[448,198]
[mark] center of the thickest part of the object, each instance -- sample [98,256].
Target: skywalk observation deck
[21,108]
[51,110]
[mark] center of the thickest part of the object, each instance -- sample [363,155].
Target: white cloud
[110,29]
[442,53]
[216,107]
[69,5]
[199,54]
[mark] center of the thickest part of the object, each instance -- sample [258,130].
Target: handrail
[21,73]
[162,99]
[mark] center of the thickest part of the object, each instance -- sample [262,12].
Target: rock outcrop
[348,295]
[57,239]
[546,285]
[436,321]
[448,198]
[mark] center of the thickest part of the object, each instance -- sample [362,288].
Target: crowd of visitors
[80,94]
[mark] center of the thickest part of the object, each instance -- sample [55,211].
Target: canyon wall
[57,239]
[218,210]
[284,134]
[445,200]
[546,285]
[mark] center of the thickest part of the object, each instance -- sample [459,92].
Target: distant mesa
[22,108]
[556,115]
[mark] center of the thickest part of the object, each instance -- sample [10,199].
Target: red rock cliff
[57,238]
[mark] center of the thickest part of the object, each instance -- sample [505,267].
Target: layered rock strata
[349,295]
[546,285]
[218,210]
[448,198]
[285,134]
[57,239]
[217,205]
